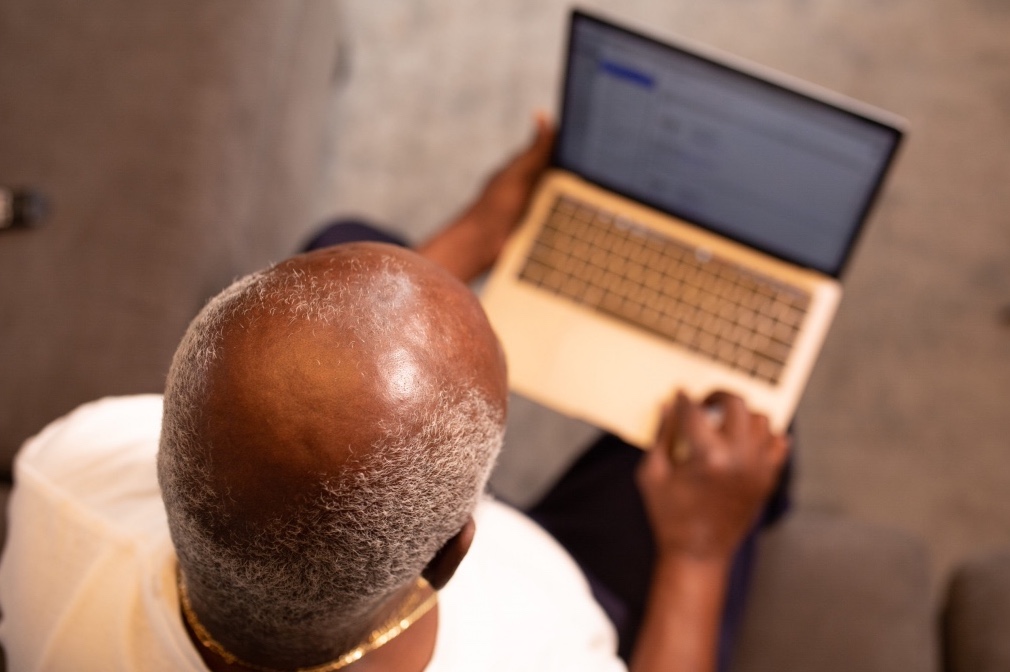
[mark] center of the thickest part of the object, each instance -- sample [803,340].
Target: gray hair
[365,533]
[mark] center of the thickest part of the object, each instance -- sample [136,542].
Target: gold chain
[412,610]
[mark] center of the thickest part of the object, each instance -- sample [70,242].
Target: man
[328,428]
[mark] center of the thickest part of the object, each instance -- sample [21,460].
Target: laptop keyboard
[710,305]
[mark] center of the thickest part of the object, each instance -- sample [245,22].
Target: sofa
[975,623]
[183,144]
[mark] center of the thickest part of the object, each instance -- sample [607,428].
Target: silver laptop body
[690,234]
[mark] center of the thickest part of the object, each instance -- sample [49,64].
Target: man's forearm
[461,248]
[681,628]
[471,243]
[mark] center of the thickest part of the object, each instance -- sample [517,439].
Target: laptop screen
[765,165]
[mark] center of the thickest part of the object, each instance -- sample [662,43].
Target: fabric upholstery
[976,619]
[181,145]
[837,594]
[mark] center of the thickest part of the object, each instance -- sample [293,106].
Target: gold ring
[681,451]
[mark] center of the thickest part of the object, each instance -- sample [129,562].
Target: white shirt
[87,579]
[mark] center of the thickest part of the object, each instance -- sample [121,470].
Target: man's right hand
[704,484]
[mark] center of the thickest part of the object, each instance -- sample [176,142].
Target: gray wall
[180,144]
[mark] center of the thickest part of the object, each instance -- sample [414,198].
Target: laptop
[690,233]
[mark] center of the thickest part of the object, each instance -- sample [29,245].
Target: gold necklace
[416,606]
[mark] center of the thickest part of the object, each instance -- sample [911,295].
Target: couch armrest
[835,594]
[976,618]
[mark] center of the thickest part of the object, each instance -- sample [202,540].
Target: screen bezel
[893,127]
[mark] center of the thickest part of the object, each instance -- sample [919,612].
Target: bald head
[329,424]
[338,349]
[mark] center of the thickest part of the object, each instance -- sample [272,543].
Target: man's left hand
[469,246]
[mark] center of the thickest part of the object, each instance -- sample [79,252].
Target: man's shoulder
[88,563]
[513,554]
[509,531]
[93,432]
[519,597]
[98,461]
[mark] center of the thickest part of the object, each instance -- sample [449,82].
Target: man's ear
[441,567]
